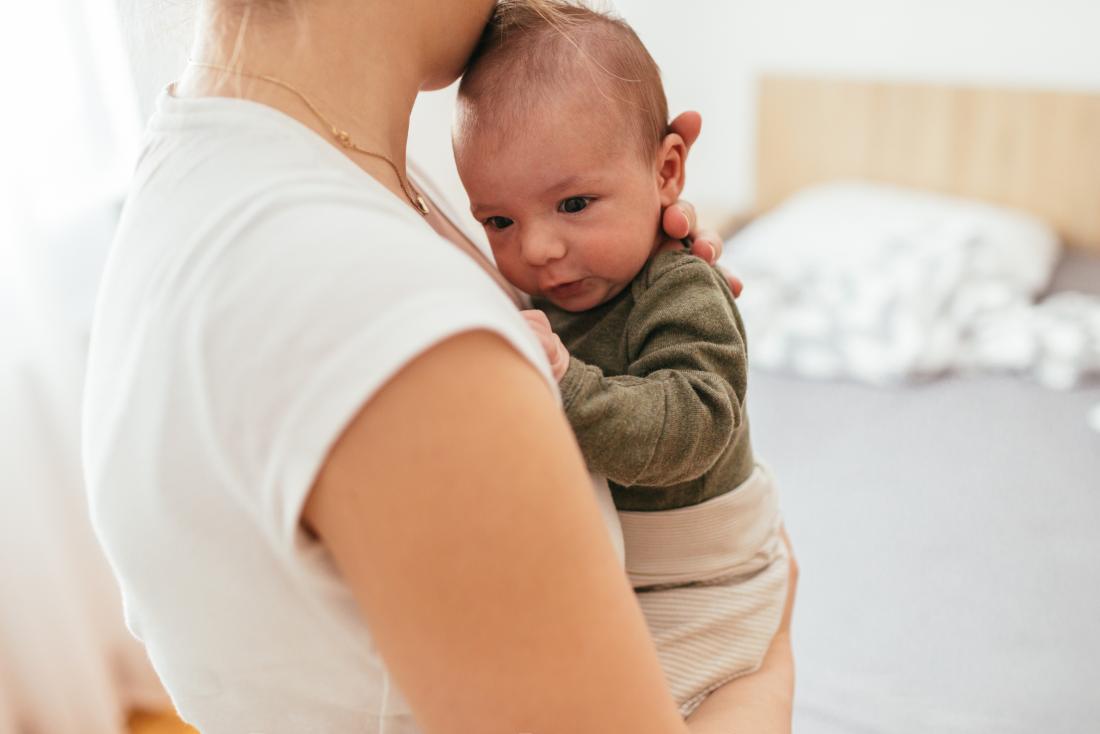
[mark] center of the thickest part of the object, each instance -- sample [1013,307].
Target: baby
[562,143]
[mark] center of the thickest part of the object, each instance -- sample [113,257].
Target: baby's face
[571,210]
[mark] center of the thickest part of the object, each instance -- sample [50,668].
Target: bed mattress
[949,540]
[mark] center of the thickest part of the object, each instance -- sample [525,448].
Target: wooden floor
[144,722]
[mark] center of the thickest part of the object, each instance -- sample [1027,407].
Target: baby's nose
[542,247]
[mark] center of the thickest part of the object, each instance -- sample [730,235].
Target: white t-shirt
[260,288]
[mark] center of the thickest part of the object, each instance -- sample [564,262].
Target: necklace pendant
[422,205]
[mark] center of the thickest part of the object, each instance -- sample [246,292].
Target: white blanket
[884,285]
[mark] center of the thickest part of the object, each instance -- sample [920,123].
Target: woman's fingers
[679,223]
[687,125]
[707,245]
[736,286]
[707,238]
[678,220]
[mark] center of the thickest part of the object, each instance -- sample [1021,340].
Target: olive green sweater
[655,389]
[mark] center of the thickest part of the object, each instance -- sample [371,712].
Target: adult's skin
[515,616]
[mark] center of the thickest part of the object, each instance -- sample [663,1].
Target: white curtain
[69,135]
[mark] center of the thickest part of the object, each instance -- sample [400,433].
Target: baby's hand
[555,350]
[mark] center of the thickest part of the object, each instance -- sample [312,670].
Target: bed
[948,531]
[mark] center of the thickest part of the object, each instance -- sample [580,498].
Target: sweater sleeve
[674,412]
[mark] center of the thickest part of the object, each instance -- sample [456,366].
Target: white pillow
[882,284]
[842,224]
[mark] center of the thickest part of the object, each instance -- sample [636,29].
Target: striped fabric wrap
[711,580]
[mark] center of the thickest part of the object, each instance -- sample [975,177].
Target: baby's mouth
[567,289]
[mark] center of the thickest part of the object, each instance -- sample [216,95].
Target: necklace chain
[342,136]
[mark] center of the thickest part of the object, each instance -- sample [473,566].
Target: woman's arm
[458,509]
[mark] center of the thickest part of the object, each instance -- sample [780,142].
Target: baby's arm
[670,418]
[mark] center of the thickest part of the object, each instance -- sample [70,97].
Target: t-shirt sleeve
[314,308]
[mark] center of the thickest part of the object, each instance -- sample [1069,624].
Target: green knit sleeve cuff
[571,382]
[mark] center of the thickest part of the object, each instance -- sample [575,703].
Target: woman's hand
[679,221]
[551,343]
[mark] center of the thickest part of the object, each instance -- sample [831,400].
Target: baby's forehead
[562,63]
[580,118]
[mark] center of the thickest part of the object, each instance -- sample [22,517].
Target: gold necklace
[341,136]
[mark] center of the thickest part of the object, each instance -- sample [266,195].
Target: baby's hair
[532,48]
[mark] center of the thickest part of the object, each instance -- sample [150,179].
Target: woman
[309,414]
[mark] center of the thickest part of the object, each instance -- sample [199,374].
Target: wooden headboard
[1035,151]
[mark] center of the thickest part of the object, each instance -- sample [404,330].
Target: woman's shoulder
[212,155]
[227,189]
[260,245]
[230,238]
[269,301]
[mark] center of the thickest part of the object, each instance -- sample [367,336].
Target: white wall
[157,36]
[711,51]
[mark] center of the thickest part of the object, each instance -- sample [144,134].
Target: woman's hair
[534,48]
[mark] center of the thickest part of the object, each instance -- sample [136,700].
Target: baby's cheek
[630,254]
[515,272]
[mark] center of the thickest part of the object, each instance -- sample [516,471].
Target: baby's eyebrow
[566,183]
[569,182]
[478,209]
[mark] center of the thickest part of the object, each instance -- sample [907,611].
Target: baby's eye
[498,222]
[573,204]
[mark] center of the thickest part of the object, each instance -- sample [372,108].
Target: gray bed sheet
[949,540]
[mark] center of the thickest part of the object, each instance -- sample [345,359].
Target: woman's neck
[355,61]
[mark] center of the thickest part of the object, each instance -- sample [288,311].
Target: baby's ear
[671,157]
